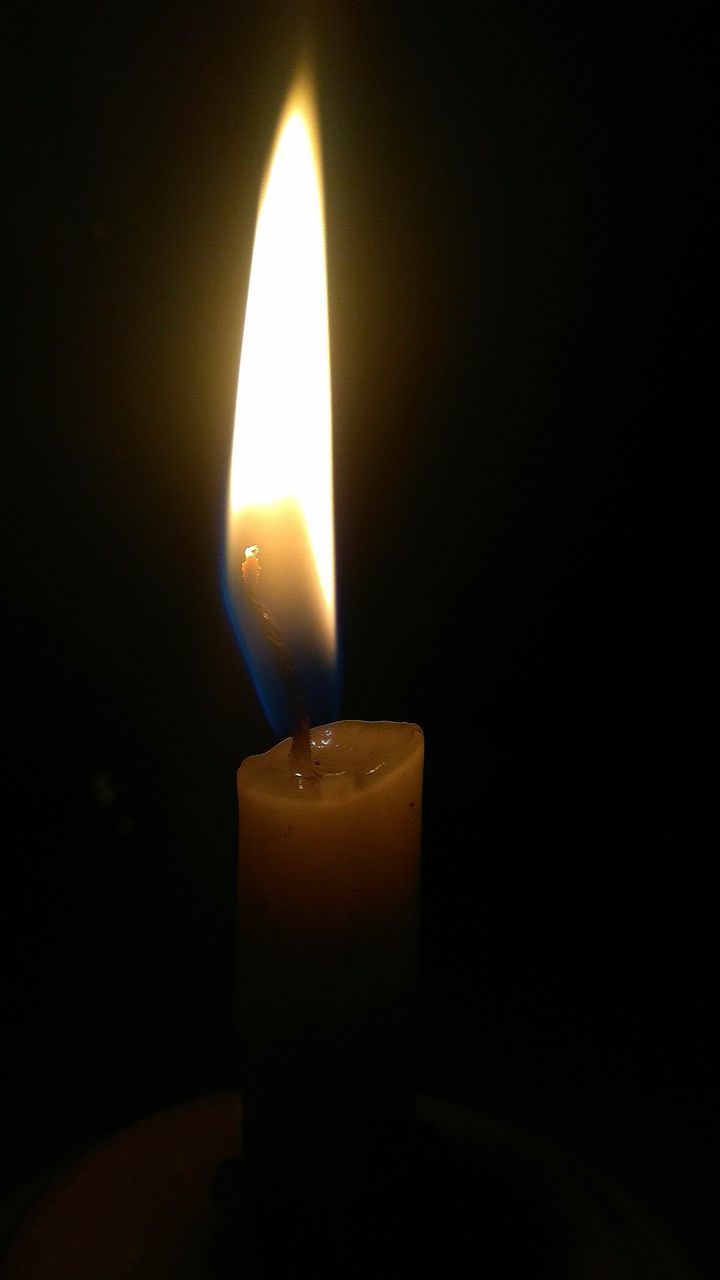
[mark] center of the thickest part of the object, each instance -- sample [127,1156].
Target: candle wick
[300,757]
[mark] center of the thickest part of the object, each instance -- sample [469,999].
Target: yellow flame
[282,444]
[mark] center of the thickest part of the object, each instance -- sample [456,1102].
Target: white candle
[327,910]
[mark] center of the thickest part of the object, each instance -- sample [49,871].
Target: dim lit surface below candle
[327,934]
[139,1207]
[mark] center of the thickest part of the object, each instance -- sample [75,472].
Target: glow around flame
[280,493]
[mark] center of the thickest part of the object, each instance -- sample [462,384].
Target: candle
[330,818]
[327,908]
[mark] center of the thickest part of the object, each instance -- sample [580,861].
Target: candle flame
[280,499]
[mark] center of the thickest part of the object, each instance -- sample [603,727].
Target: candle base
[491,1200]
[385,1217]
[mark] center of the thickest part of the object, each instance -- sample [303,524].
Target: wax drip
[300,756]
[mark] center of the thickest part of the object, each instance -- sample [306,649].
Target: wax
[327,912]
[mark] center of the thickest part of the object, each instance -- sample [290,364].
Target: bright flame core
[280,492]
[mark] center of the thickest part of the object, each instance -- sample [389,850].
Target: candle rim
[377,751]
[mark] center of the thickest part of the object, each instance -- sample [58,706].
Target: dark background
[518,214]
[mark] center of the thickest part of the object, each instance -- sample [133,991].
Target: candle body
[327,931]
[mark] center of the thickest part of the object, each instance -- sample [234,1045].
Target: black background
[517,200]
